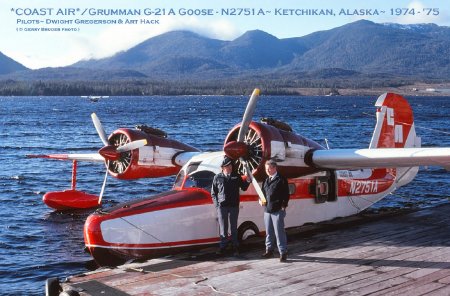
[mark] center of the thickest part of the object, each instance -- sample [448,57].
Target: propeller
[110,151]
[103,188]
[248,143]
[113,151]
[239,148]
[262,199]
[251,105]
[100,130]
[132,145]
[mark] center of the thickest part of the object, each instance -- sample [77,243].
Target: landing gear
[246,230]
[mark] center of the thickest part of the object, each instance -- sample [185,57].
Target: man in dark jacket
[225,195]
[276,190]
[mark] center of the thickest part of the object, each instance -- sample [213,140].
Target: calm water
[37,243]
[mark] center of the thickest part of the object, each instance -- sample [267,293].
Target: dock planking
[400,253]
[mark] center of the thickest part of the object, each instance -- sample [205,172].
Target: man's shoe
[283,257]
[236,252]
[267,254]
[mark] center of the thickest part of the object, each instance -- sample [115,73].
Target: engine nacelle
[265,141]
[156,159]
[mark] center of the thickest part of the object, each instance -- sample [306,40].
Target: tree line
[143,87]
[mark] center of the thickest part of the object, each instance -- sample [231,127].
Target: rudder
[395,123]
[395,129]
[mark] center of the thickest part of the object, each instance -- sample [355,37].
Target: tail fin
[395,123]
[395,129]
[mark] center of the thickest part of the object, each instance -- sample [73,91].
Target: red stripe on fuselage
[195,196]
[157,245]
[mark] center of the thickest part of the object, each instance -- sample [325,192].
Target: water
[37,243]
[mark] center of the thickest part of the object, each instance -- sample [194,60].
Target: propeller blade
[132,145]
[236,149]
[248,115]
[100,131]
[103,186]
[262,199]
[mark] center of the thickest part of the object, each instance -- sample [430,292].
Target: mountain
[358,49]
[183,52]
[8,65]
[258,49]
[380,48]
[407,50]
[171,52]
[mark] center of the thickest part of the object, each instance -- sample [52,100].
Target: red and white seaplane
[324,183]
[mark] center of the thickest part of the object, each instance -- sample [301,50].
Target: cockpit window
[179,179]
[200,179]
[193,166]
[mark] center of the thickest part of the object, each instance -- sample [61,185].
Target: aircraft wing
[381,158]
[92,157]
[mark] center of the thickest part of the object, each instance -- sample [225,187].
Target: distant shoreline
[408,90]
[208,88]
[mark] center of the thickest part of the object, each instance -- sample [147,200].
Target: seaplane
[323,183]
[94,99]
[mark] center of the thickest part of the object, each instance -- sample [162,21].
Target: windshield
[179,180]
[200,179]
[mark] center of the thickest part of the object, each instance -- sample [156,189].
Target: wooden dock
[390,254]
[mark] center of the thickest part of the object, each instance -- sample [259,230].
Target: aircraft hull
[185,219]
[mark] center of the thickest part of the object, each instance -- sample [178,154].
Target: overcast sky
[22,22]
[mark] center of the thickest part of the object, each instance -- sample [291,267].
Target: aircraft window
[323,188]
[291,188]
[200,179]
[190,182]
[193,167]
[179,179]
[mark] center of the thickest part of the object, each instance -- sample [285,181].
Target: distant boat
[95,98]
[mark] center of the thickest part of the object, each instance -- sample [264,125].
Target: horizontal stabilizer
[381,158]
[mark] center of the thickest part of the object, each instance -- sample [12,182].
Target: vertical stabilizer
[395,129]
[395,123]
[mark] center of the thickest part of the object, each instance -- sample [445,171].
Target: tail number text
[362,187]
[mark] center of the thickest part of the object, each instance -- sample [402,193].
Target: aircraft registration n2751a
[324,183]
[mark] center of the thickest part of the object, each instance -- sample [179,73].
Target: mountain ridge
[8,65]
[362,48]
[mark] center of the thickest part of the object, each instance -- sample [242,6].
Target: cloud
[99,41]
[50,50]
